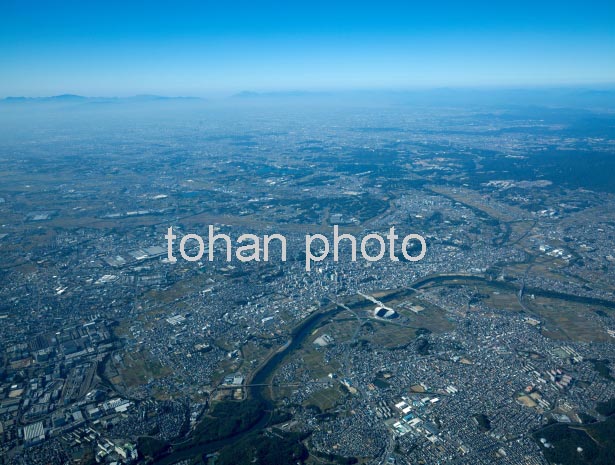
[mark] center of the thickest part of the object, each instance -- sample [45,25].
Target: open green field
[569,320]
[325,399]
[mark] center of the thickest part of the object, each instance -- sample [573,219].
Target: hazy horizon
[206,49]
[247,92]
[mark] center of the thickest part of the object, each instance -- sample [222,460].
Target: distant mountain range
[290,93]
[603,97]
[573,97]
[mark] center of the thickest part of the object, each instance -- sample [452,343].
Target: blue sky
[208,48]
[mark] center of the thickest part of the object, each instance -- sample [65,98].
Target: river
[259,388]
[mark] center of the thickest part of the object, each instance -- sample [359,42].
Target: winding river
[260,381]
